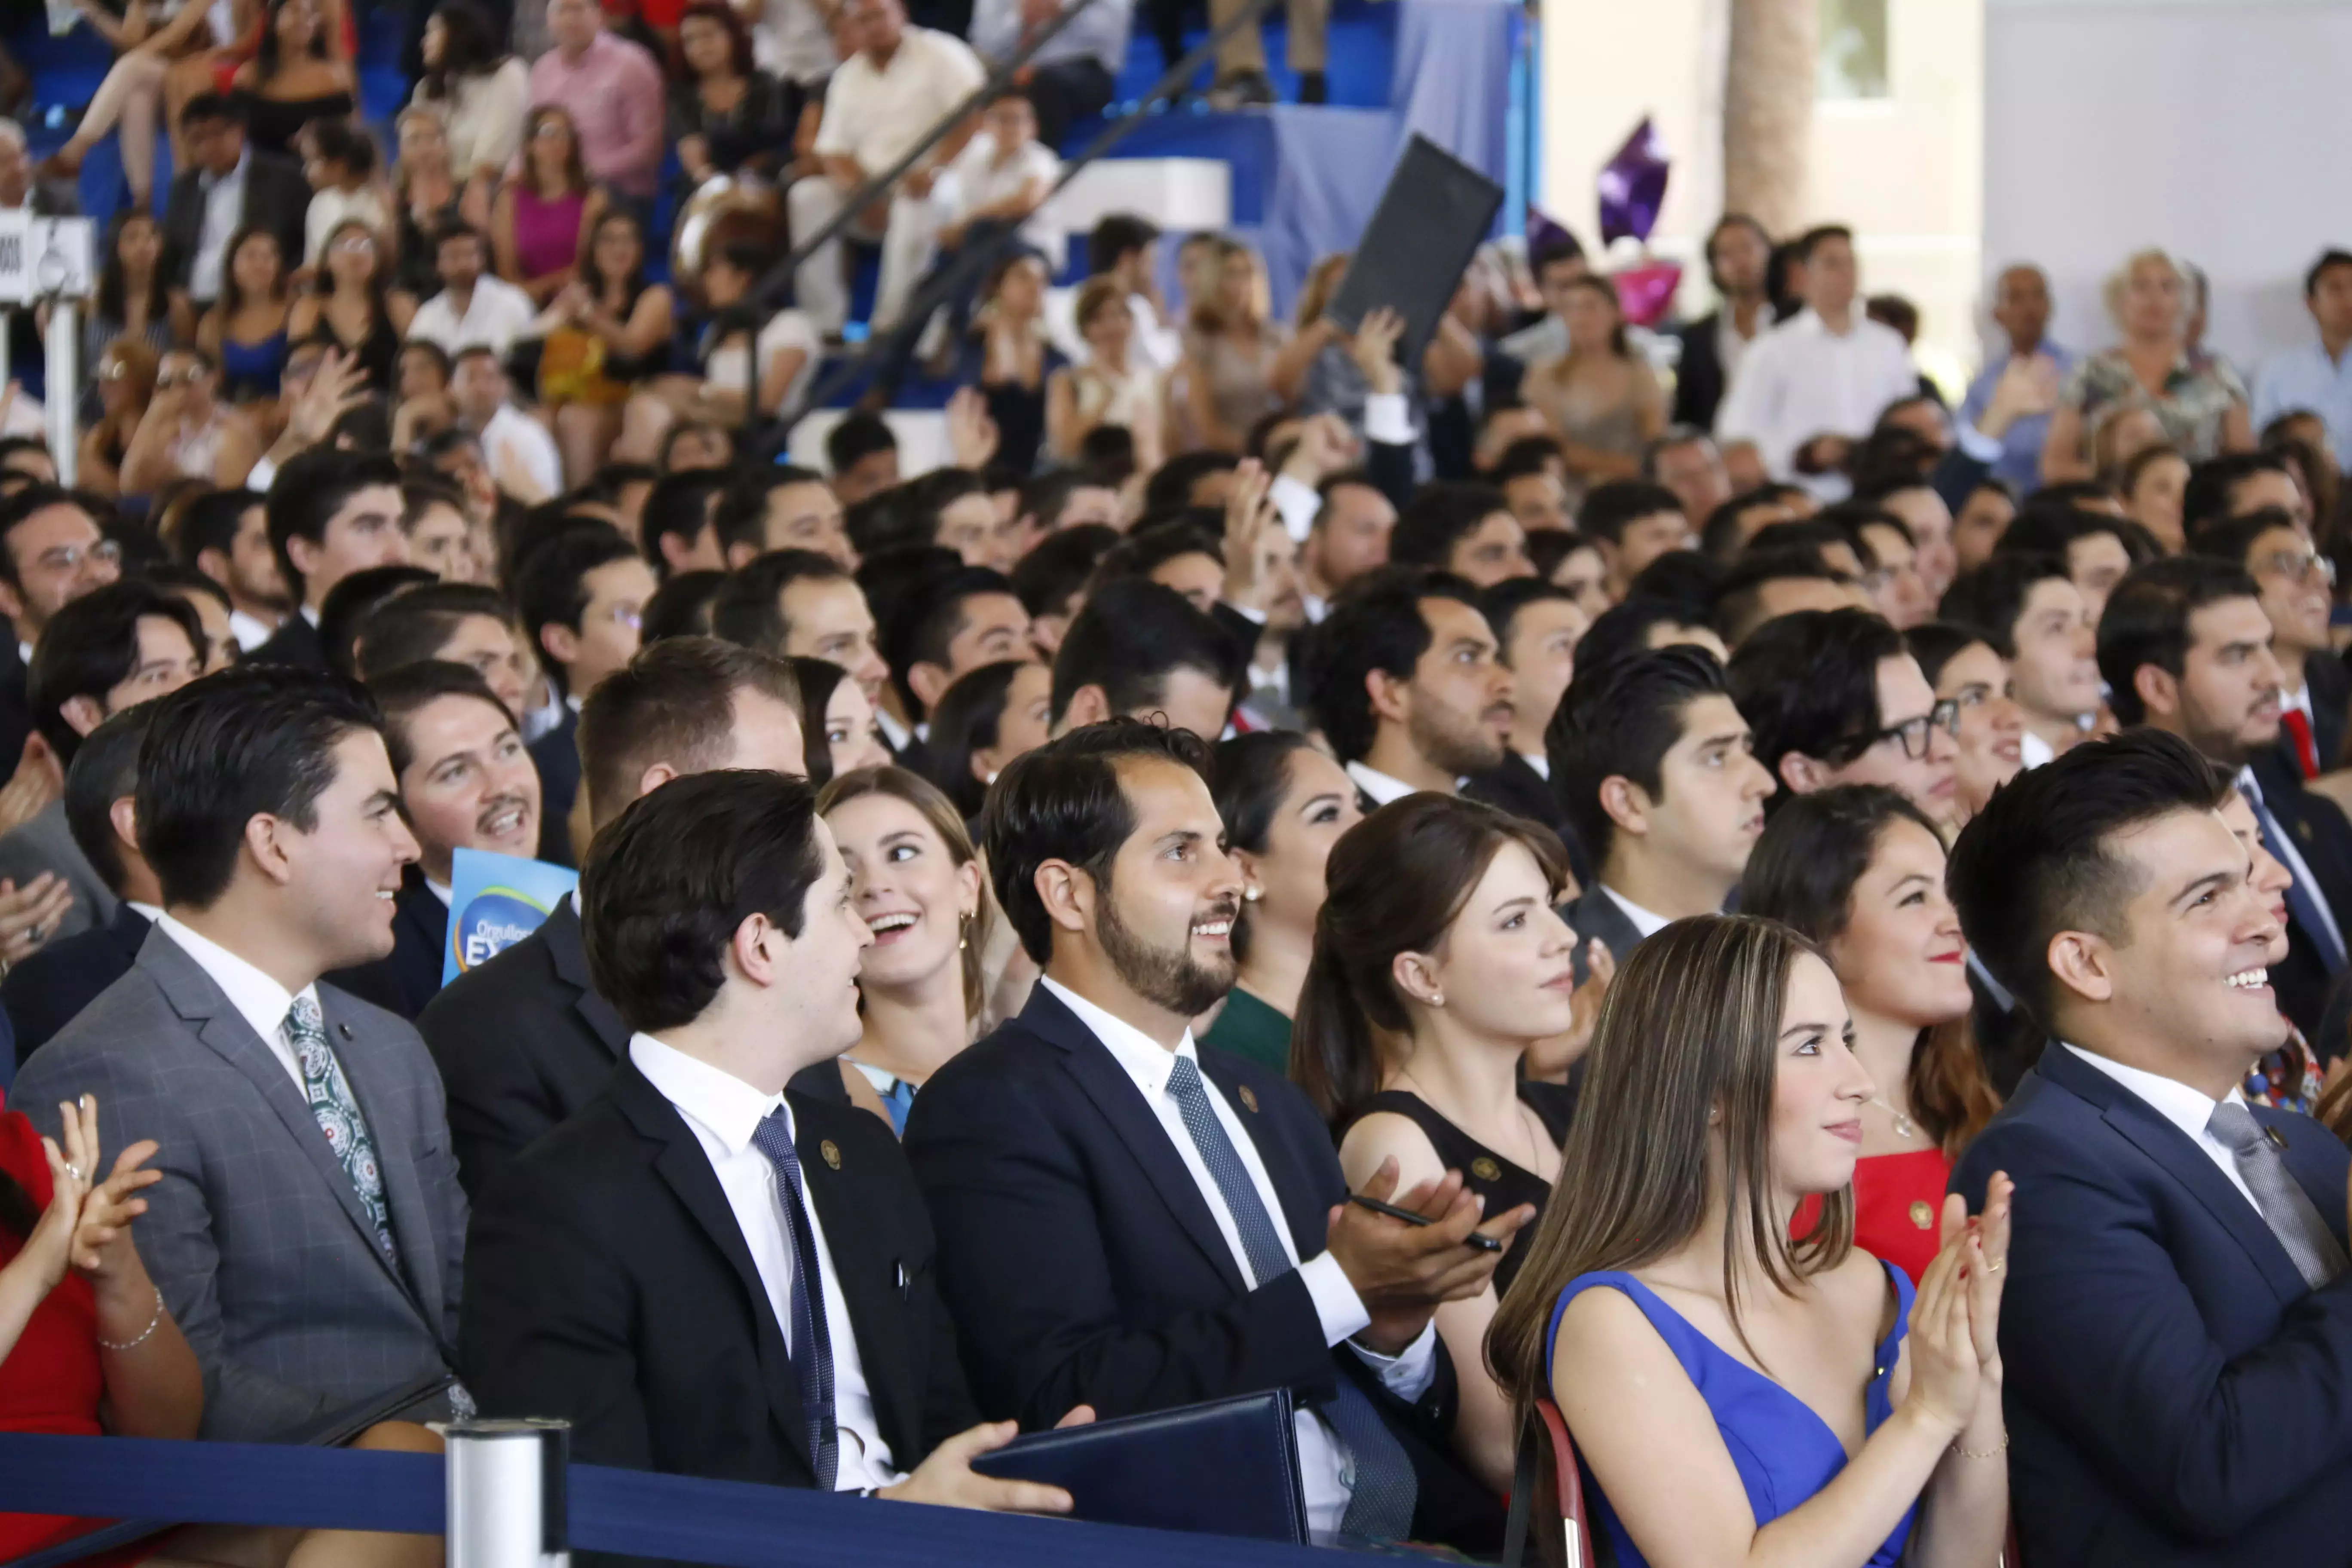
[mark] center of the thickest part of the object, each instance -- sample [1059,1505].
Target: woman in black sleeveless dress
[1439,966]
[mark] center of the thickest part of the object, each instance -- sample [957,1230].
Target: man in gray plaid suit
[307,1230]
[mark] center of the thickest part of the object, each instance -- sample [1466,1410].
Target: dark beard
[1171,980]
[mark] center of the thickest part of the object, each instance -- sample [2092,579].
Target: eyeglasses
[2298,565]
[1912,734]
[71,557]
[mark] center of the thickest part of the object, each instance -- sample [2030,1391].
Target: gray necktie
[1384,1491]
[2286,1208]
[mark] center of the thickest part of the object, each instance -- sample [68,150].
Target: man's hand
[1374,349]
[971,434]
[945,1477]
[1324,446]
[2025,387]
[1403,1271]
[1248,517]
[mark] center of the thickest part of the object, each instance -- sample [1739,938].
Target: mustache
[1223,910]
[496,805]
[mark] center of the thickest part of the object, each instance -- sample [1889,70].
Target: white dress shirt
[224,211]
[723,1111]
[874,116]
[1540,761]
[2033,750]
[511,430]
[1388,420]
[496,314]
[249,633]
[1801,380]
[1379,788]
[1324,1466]
[978,179]
[260,1000]
[2184,1107]
[1649,922]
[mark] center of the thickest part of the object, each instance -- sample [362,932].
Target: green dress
[1251,1030]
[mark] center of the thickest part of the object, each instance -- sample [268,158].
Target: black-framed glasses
[1912,734]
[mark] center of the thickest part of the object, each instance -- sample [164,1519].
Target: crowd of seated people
[1826,911]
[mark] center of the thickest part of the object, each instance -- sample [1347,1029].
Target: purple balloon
[1633,185]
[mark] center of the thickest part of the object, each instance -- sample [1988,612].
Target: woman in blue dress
[1734,1395]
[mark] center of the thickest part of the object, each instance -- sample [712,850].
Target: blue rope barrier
[731,1524]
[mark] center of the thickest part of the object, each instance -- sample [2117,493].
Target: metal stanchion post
[506,1494]
[64,387]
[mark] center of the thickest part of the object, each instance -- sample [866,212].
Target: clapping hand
[101,1240]
[1956,1317]
[1403,1271]
[2026,386]
[49,1249]
[29,915]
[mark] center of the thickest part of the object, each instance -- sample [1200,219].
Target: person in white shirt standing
[1811,387]
[881,102]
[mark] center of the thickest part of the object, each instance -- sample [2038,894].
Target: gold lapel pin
[831,1152]
[1485,1170]
[1922,1216]
[1249,1099]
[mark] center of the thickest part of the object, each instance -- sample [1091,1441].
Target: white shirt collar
[1142,1058]
[1540,761]
[731,1109]
[209,182]
[898,734]
[2299,700]
[1648,923]
[1379,785]
[439,890]
[259,1000]
[2185,1108]
[152,912]
[2033,750]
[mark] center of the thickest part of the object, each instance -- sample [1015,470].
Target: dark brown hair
[939,812]
[1395,883]
[1691,1027]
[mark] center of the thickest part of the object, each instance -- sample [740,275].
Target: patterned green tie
[337,1111]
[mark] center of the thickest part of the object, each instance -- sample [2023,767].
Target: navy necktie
[2301,900]
[812,1347]
[1381,1499]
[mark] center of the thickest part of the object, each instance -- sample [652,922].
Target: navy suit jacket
[2324,838]
[1083,1267]
[2176,1394]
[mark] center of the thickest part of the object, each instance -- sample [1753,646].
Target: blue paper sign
[495,901]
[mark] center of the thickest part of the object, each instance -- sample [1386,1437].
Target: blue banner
[495,901]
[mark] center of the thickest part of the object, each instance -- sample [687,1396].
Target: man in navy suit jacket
[1129,1221]
[2176,1329]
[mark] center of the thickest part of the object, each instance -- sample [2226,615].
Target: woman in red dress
[86,1346]
[1858,871]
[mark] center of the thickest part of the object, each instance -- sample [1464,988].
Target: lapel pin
[901,1267]
[343,1029]
[831,1153]
[1485,1170]
[2302,830]
[2277,1138]
[1249,1100]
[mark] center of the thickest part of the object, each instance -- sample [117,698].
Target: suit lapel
[1309,1223]
[1139,1131]
[2179,1157]
[686,1169]
[868,1279]
[566,951]
[199,1001]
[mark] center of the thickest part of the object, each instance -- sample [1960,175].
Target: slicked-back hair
[742,514]
[1064,802]
[749,609]
[665,888]
[311,488]
[1989,598]
[411,628]
[1439,517]
[2206,497]
[92,646]
[1608,508]
[1129,638]
[251,741]
[927,620]
[2039,858]
[1618,720]
[1808,683]
[675,702]
[349,603]
[105,770]
[1380,628]
[2147,621]
[1502,602]
[403,693]
[551,584]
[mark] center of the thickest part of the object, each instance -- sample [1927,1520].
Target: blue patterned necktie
[812,1347]
[337,1111]
[1381,1497]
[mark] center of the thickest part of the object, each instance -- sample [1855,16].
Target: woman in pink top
[545,208]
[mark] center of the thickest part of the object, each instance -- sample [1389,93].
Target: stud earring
[1437,999]
[1253,894]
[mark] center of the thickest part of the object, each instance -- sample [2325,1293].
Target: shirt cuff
[1298,502]
[1975,442]
[1408,1374]
[1337,1306]
[1387,419]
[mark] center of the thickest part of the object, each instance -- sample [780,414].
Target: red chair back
[1563,1535]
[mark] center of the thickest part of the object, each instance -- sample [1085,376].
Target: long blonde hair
[1691,1028]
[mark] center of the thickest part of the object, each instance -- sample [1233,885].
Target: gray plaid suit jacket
[256,1237]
